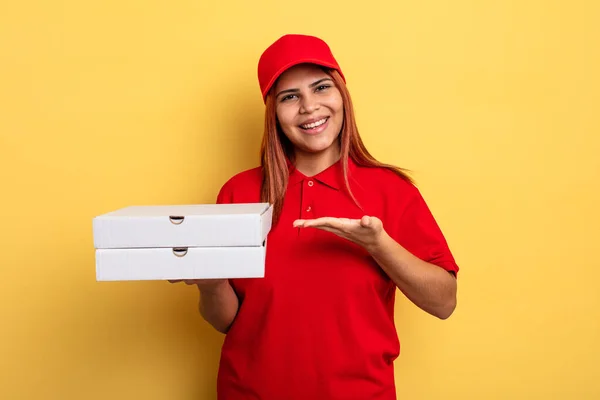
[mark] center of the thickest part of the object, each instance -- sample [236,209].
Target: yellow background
[494,106]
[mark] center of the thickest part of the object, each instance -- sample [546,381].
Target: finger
[365,221]
[305,223]
[329,229]
[337,223]
[302,223]
[298,223]
[316,223]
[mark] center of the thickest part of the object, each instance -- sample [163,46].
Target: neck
[311,164]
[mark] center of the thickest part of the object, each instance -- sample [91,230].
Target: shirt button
[308,209]
[310,183]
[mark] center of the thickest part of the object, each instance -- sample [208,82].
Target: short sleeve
[225,194]
[416,229]
[243,187]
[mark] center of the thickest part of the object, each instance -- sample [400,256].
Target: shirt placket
[309,187]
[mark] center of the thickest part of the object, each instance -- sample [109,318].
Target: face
[309,109]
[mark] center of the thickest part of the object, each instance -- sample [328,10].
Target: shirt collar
[332,176]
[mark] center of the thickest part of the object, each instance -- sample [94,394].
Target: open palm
[365,231]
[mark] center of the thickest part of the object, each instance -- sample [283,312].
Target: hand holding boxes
[204,241]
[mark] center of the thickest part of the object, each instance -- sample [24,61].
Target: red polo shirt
[320,324]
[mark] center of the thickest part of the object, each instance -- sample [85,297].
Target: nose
[309,104]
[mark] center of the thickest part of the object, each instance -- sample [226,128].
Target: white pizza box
[135,264]
[197,225]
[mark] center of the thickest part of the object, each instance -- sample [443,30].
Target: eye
[288,97]
[320,88]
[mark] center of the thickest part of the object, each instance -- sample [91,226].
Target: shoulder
[387,183]
[242,187]
[251,176]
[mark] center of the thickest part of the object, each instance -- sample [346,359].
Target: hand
[203,284]
[366,232]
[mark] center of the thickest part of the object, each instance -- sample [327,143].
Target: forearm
[219,305]
[428,286]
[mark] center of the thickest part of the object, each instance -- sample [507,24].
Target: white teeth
[314,124]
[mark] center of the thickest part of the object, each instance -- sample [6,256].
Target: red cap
[290,50]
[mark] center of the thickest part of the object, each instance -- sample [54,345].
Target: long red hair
[276,149]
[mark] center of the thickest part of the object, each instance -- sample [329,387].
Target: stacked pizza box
[201,241]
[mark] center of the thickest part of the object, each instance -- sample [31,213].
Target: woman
[347,231]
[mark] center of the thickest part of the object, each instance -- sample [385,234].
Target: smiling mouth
[315,124]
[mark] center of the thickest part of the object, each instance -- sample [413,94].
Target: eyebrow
[297,90]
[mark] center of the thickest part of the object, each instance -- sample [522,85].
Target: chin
[317,149]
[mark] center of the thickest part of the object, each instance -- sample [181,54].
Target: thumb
[366,221]
[373,223]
